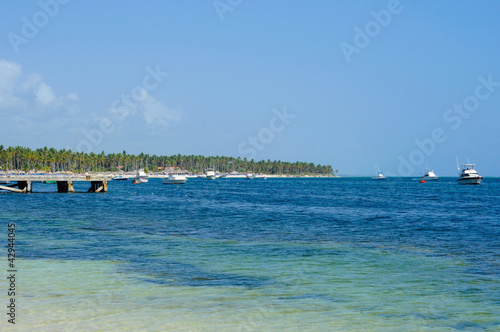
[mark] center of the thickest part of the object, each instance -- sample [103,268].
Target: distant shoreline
[49,159]
[130,175]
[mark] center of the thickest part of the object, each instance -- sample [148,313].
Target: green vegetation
[50,159]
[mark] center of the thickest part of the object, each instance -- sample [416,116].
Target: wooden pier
[24,183]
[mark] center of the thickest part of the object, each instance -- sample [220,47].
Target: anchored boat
[175,178]
[141,177]
[379,176]
[429,176]
[468,174]
[210,174]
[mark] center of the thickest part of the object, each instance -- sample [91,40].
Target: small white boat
[379,176]
[250,176]
[175,178]
[468,174]
[141,177]
[210,174]
[120,178]
[429,176]
[235,176]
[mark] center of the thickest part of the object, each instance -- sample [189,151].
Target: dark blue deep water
[275,254]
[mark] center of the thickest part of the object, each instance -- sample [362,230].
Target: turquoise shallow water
[264,255]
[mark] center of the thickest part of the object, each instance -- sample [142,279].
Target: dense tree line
[50,159]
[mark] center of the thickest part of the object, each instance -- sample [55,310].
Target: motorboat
[468,174]
[379,176]
[429,176]
[120,178]
[175,178]
[235,176]
[250,176]
[141,177]
[210,174]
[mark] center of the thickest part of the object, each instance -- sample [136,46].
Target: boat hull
[475,180]
[177,181]
[174,181]
[430,178]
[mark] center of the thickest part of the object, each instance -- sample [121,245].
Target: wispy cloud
[9,74]
[30,94]
[157,113]
[44,94]
[30,107]
[32,111]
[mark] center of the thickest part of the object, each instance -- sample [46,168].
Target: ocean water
[347,254]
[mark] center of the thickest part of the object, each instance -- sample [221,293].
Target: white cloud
[32,111]
[30,83]
[44,94]
[9,74]
[31,95]
[73,96]
[155,112]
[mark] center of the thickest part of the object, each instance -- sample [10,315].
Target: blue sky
[352,84]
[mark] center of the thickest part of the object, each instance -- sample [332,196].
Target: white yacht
[140,177]
[175,178]
[379,176]
[210,174]
[429,175]
[468,174]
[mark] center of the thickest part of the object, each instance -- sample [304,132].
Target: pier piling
[65,187]
[25,186]
[98,186]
